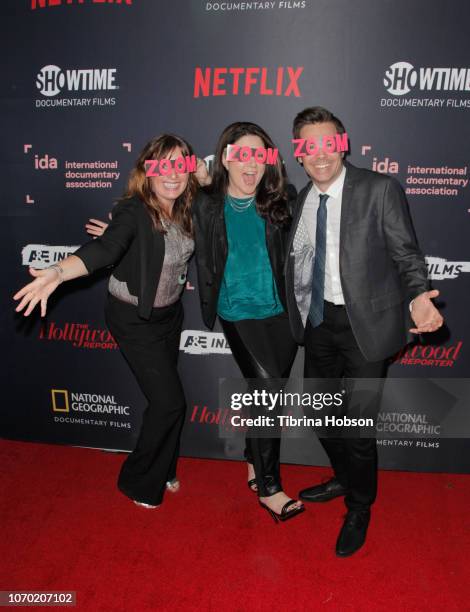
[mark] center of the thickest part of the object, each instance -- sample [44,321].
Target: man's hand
[424,314]
[96,227]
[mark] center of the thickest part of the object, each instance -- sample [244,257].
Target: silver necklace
[237,207]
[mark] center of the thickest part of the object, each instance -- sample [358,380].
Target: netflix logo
[261,81]
[51,3]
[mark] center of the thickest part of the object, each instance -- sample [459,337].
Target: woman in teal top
[241,227]
[248,289]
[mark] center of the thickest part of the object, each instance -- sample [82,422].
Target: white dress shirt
[333,291]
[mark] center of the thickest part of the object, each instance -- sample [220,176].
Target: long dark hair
[139,184]
[271,193]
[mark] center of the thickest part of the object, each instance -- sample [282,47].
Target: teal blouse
[248,289]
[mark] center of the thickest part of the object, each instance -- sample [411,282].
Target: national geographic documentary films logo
[96,409]
[437,87]
[84,87]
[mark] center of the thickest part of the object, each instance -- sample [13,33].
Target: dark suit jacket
[131,242]
[381,266]
[212,248]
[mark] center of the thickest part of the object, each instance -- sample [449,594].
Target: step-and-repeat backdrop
[86,83]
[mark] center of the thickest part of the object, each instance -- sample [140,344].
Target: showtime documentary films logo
[88,83]
[85,408]
[438,87]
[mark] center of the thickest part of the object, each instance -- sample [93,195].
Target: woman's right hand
[45,282]
[95,227]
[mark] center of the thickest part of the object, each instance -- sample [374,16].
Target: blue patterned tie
[318,282]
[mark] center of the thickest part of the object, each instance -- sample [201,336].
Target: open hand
[45,282]
[425,315]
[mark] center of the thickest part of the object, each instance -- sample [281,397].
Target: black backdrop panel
[90,82]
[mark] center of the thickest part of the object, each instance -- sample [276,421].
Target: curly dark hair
[271,193]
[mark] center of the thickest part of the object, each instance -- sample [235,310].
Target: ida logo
[429,355]
[197,342]
[51,80]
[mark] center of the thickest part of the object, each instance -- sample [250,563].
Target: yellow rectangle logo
[60,400]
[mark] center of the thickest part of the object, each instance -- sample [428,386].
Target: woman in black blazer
[149,240]
[241,226]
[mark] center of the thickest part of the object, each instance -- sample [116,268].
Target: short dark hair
[316,114]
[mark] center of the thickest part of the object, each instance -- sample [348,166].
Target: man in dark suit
[354,277]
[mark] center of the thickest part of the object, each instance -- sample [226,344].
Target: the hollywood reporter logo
[51,80]
[443,356]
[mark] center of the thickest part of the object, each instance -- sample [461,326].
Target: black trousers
[265,350]
[331,351]
[151,349]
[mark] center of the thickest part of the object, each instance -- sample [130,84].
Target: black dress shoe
[353,532]
[323,492]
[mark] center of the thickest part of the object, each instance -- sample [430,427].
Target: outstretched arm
[46,282]
[403,247]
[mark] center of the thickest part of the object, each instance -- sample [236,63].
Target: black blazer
[131,242]
[211,251]
[381,266]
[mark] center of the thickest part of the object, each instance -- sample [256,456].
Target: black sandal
[252,483]
[284,515]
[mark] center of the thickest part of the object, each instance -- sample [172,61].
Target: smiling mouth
[172,186]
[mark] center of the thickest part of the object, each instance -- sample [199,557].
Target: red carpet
[210,547]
